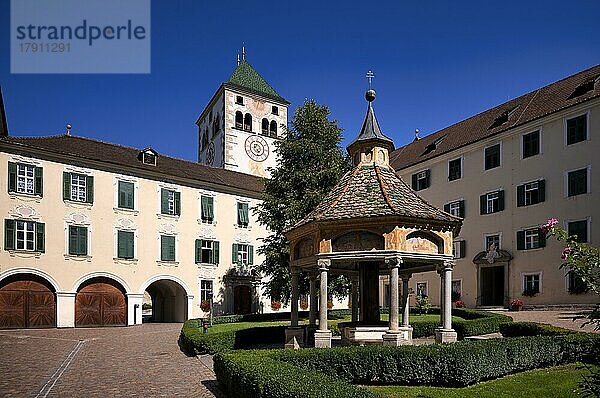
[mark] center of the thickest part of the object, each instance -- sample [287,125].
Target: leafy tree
[311,162]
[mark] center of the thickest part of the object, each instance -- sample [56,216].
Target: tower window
[248,122]
[239,120]
[275,110]
[265,127]
[273,129]
[239,100]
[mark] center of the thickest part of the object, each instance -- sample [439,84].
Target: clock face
[257,148]
[210,154]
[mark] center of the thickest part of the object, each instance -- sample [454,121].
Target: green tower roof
[247,78]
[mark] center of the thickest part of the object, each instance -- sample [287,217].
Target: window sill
[578,195]
[168,216]
[22,195]
[167,263]
[74,203]
[209,265]
[532,250]
[77,257]
[247,227]
[24,253]
[126,211]
[213,223]
[127,261]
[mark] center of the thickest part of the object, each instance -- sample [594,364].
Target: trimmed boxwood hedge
[517,329]
[322,372]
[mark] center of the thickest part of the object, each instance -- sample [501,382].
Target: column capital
[405,275]
[445,266]
[323,264]
[393,262]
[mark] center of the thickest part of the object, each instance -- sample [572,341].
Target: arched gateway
[27,301]
[371,224]
[100,301]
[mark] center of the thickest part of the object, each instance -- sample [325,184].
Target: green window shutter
[164,201]
[250,255]
[83,233]
[541,238]
[447,207]
[242,213]
[73,240]
[234,253]
[520,240]
[89,189]
[215,252]
[483,204]
[39,181]
[177,203]
[66,186]
[500,200]
[167,248]
[210,214]
[462,209]
[204,208]
[427,178]
[40,228]
[520,195]
[463,247]
[198,250]
[125,244]
[542,191]
[121,250]
[126,195]
[12,177]
[9,234]
[414,182]
[130,242]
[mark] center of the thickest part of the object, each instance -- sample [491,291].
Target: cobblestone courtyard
[101,362]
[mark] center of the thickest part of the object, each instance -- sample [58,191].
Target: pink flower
[549,224]
[566,252]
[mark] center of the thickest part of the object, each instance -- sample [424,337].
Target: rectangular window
[492,157]
[421,180]
[492,202]
[458,249]
[456,290]
[580,229]
[456,208]
[24,178]
[170,202]
[78,240]
[78,187]
[492,240]
[24,235]
[421,289]
[125,244]
[531,284]
[532,238]
[531,193]
[275,110]
[207,209]
[126,195]
[207,251]
[242,215]
[576,285]
[454,169]
[239,100]
[242,254]
[167,248]
[531,144]
[576,129]
[577,182]
[206,290]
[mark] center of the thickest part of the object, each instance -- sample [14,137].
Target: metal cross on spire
[370,76]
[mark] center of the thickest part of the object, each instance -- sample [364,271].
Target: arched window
[265,127]
[216,126]
[205,138]
[273,129]
[248,122]
[239,120]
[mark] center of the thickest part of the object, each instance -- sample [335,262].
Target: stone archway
[27,301]
[169,301]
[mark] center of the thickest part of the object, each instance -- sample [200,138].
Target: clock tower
[239,126]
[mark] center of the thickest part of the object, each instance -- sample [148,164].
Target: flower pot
[516,307]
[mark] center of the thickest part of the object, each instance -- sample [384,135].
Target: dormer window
[148,156]
[585,87]
[239,100]
[503,117]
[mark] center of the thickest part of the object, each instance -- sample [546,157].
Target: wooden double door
[27,303]
[100,302]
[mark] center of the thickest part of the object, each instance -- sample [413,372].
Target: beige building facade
[506,171]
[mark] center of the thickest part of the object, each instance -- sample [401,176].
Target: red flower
[567,250]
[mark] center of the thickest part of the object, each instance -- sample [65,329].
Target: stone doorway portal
[492,285]
[242,300]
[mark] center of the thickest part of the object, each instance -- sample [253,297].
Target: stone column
[395,336]
[405,300]
[134,308]
[323,334]
[355,303]
[65,310]
[314,301]
[445,333]
[294,335]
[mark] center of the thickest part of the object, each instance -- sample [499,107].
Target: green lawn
[232,327]
[560,381]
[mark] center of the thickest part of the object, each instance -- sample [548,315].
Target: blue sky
[436,63]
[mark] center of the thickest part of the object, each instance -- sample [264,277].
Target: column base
[402,336]
[323,338]
[294,337]
[445,336]
[309,335]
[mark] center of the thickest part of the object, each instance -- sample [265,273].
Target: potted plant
[516,305]
[459,304]
[329,304]
[205,305]
[275,305]
[304,305]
